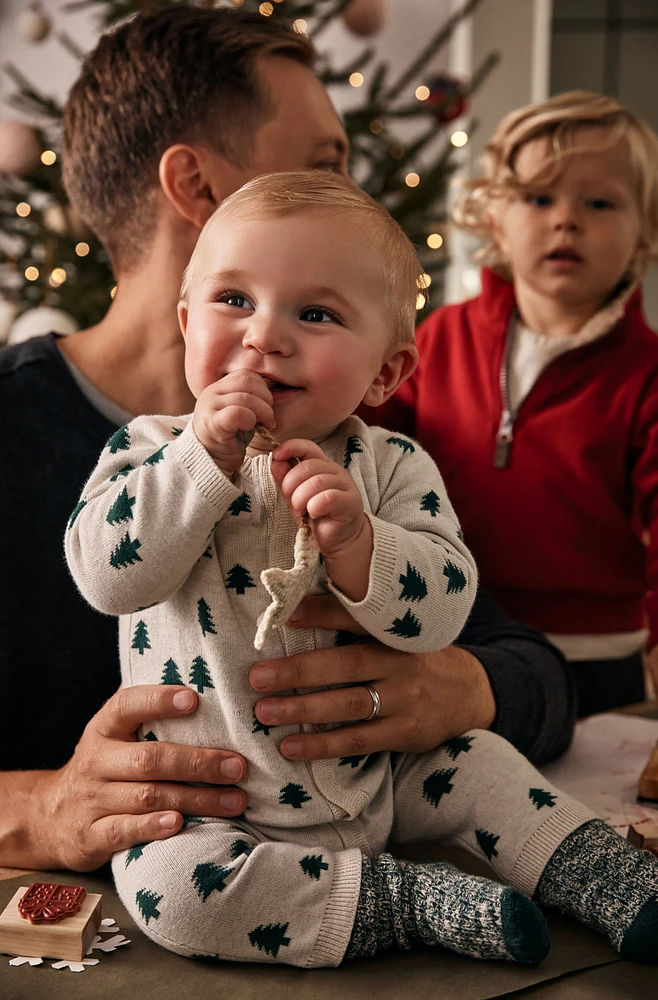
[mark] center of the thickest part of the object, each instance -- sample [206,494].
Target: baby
[299,304]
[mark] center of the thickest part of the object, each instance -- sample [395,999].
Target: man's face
[304,133]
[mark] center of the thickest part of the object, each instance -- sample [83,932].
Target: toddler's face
[300,299]
[572,240]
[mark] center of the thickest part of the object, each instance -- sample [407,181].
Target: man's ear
[195,180]
[396,369]
[183,313]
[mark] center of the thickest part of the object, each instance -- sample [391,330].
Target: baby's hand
[323,490]
[235,403]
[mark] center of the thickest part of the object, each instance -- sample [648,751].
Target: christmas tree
[134,853]
[456,578]
[121,508]
[239,579]
[239,847]
[313,865]
[269,938]
[294,795]
[431,503]
[402,443]
[438,784]
[407,628]
[171,673]
[414,587]
[49,256]
[487,842]
[125,554]
[457,745]
[199,675]
[542,798]
[353,447]
[208,877]
[205,617]
[147,901]
[242,503]
[140,638]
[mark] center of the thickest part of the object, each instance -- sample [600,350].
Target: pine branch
[29,97]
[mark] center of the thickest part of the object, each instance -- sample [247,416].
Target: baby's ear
[399,364]
[182,316]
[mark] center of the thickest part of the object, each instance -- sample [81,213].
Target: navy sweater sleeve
[531,681]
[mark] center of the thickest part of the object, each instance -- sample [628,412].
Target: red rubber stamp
[48,902]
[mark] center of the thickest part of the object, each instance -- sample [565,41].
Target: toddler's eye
[600,204]
[539,200]
[316,315]
[236,300]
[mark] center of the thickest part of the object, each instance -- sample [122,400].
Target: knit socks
[603,881]
[401,901]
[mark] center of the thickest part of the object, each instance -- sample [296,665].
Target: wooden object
[644,835]
[67,939]
[647,789]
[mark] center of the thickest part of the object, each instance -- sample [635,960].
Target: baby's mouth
[565,253]
[274,385]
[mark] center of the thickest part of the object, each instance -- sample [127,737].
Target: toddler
[547,433]
[297,305]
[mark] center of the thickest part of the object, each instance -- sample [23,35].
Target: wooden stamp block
[68,939]
[647,789]
[644,835]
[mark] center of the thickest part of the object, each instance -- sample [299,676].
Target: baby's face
[300,299]
[573,239]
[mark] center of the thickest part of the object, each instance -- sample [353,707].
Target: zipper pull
[504,440]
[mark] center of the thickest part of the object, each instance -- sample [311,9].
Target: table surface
[606,977]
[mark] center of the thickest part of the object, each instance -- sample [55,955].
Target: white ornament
[55,220]
[108,926]
[75,966]
[33,24]
[19,147]
[42,319]
[288,586]
[366,17]
[8,312]
[108,944]
[22,959]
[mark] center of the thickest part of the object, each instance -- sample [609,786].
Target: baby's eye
[600,204]
[236,300]
[314,314]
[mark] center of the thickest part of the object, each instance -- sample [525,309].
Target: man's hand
[116,792]
[426,698]
[234,404]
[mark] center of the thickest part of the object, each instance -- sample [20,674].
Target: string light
[82,249]
[57,277]
[48,157]
[424,280]
[266,9]
[421,301]
[300,26]
[31,273]
[412,180]
[376,126]
[422,92]
[113,292]
[23,209]
[459,138]
[397,152]
[434,241]
[356,79]
[237,3]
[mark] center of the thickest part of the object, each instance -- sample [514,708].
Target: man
[172,112]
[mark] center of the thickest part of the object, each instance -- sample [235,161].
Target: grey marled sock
[440,905]
[602,880]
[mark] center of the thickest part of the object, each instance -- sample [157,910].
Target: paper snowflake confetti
[108,926]
[109,944]
[22,959]
[75,966]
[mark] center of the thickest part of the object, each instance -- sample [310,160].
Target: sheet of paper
[603,765]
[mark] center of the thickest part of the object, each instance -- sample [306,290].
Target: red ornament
[447,99]
[48,902]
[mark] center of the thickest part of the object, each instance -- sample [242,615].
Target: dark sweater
[59,658]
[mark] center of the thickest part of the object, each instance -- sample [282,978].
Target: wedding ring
[376,702]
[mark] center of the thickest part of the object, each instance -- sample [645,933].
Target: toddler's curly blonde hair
[558,120]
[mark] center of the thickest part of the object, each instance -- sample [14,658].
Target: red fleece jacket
[558,533]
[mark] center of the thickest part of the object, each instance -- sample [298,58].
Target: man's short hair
[182,74]
[291,193]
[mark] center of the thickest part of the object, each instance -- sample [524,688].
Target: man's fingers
[126,710]
[340,705]
[350,741]
[117,833]
[324,611]
[160,761]
[321,667]
[145,797]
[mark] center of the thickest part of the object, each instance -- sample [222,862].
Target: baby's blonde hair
[281,194]
[558,120]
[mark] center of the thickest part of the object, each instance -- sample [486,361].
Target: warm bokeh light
[459,138]
[31,273]
[412,180]
[422,92]
[300,26]
[82,249]
[421,301]
[266,9]
[376,126]
[434,241]
[57,276]
[397,152]
[113,292]
[424,280]
[356,79]
[23,209]
[48,157]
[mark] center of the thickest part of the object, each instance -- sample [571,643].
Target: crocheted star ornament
[288,586]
